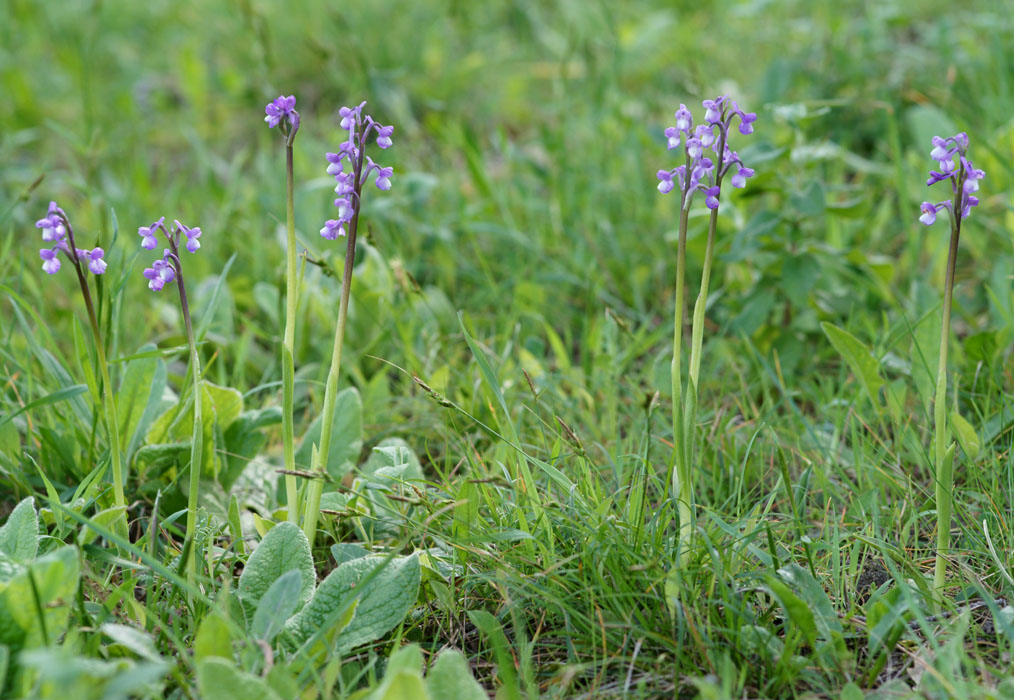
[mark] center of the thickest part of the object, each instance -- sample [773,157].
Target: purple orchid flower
[954,166]
[147,234]
[349,183]
[52,225]
[282,108]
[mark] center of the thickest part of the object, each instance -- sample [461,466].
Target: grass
[511,309]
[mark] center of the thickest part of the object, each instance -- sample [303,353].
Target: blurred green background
[527,134]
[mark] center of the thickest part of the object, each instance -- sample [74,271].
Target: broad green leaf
[219,679]
[19,536]
[139,396]
[450,677]
[244,440]
[402,677]
[104,518]
[407,658]
[815,597]
[160,456]
[284,548]
[795,609]
[402,685]
[277,605]
[755,639]
[220,407]
[347,551]
[824,616]
[851,691]
[966,434]
[133,640]
[858,357]
[226,401]
[393,452]
[59,673]
[53,578]
[385,590]
[213,638]
[886,619]
[281,679]
[346,435]
[491,629]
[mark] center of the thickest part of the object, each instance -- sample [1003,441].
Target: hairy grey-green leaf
[276,606]
[19,536]
[219,679]
[132,639]
[283,549]
[450,677]
[384,600]
[53,578]
[393,452]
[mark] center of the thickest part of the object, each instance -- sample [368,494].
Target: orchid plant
[699,173]
[955,168]
[58,234]
[282,113]
[349,189]
[163,271]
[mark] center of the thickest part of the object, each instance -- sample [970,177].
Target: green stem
[108,400]
[197,443]
[680,477]
[288,344]
[316,485]
[944,466]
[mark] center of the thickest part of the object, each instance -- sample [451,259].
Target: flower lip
[95,262]
[147,233]
[684,119]
[711,201]
[672,135]
[50,261]
[665,181]
[384,136]
[929,213]
[713,109]
[332,229]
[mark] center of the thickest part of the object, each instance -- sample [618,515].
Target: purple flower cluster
[349,184]
[699,172]
[282,110]
[57,232]
[950,155]
[166,269]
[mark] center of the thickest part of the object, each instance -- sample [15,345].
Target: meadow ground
[512,309]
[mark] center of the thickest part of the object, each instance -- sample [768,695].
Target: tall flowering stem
[697,174]
[162,271]
[58,233]
[964,177]
[349,188]
[281,112]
